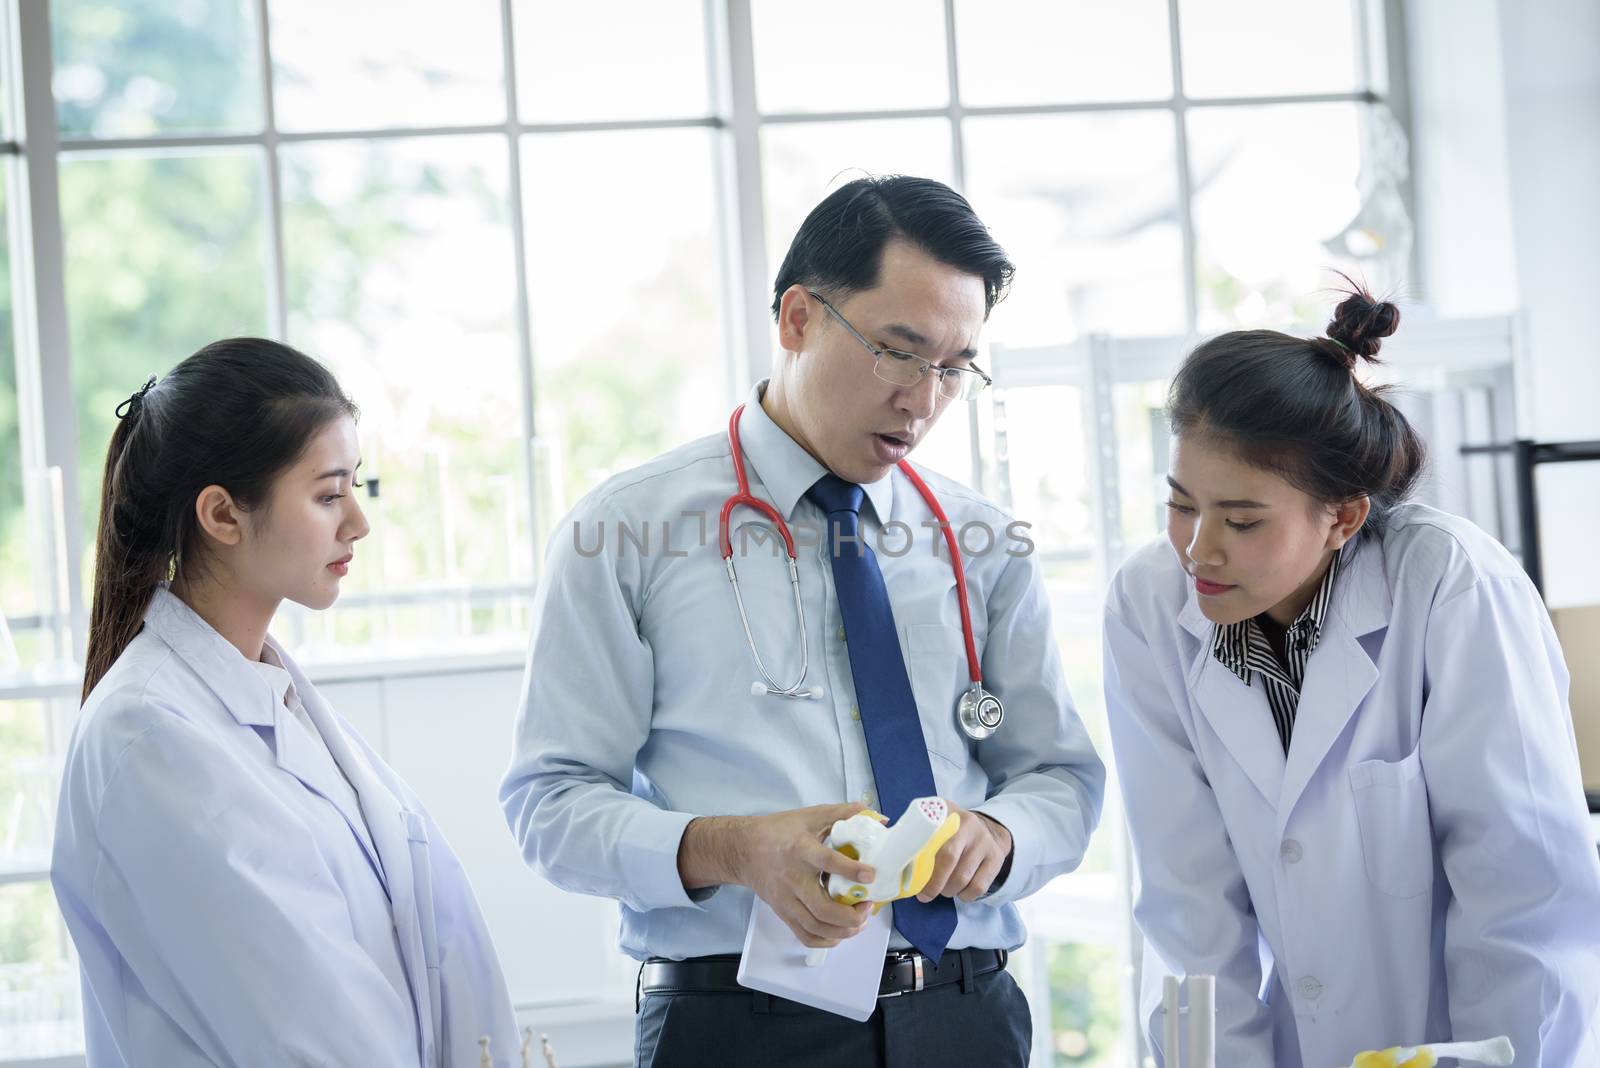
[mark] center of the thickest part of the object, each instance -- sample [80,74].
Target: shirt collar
[276,677]
[786,469]
[1231,644]
[272,668]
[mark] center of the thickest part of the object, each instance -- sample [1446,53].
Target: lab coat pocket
[936,660]
[1391,802]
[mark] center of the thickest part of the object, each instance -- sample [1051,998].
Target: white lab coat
[1419,868]
[225,907]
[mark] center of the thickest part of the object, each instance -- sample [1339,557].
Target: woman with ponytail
[246,881]
[1340,722]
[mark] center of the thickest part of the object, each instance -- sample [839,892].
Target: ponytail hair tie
[135,404]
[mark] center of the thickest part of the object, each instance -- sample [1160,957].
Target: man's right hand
[779,856]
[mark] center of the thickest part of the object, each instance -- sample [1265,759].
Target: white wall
[1463,182]
[1506,118]
[1551,53]
[1551,56]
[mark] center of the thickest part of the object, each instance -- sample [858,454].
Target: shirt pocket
[1391,801]
[936,660]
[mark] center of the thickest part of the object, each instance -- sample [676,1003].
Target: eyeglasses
[907,368]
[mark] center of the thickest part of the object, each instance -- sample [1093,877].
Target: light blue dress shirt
[637,713]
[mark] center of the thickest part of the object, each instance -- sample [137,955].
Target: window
[400,273]
[535,242]
[18,592]
[374,192]
[40,1011]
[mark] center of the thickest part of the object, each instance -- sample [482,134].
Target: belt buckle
[901,956]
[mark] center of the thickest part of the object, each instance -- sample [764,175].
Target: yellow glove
[1390,1058]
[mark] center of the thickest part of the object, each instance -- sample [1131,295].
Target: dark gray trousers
[982,1021]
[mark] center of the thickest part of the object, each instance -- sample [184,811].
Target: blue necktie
[895,745]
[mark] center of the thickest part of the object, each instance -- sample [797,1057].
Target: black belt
[905,971]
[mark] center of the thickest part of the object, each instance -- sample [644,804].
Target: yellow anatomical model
[1492,1051]
[1391,1058]
[902,856]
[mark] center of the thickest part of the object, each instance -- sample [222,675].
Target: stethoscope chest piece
[980,713]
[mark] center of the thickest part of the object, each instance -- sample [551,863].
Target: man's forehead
[921,312]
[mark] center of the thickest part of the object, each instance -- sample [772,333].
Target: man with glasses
[648,768]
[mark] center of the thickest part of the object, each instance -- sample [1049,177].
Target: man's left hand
[967,864]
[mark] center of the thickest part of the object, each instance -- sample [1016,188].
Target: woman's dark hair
[840,245]
[235,414]
[1294,406]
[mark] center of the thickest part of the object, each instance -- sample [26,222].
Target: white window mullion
[746,245]
[277,286]
[1389,74]
[1180,124]
[43,352]
[526,379]
[958,154]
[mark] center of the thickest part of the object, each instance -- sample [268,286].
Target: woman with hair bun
[1340,721]
[246,882]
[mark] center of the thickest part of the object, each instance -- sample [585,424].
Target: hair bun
[1360,324]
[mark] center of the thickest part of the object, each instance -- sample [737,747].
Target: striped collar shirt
[1244,648]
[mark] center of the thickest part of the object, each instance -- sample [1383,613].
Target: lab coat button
[1309,988]
[841,634]
[1291,851]
[855,713]
[866,798]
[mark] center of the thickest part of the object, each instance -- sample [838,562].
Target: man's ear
[220,517]
[794,317]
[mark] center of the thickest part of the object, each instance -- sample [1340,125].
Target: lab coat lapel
[1238,713]
[251,700]
[386,822]
[298,756]
[379,806]
[1341,670]
[218,663]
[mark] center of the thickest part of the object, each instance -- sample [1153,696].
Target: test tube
[1202,1021]
[1169,1022]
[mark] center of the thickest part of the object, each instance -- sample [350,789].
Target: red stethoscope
[979,713]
